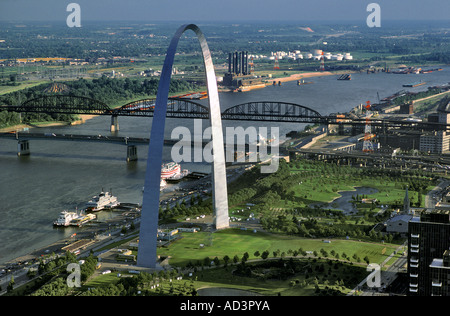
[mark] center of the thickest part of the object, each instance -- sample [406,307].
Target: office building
[428,241]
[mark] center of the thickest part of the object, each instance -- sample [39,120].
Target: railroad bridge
[270,111]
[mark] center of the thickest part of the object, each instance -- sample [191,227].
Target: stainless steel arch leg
[150,203]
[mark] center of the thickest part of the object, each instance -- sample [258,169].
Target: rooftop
[438,263]
[403,217]
[444,106]
[435,216]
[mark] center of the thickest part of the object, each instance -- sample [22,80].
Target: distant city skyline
[218,10]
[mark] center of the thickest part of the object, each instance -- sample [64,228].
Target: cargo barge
[345,77]
[414,84]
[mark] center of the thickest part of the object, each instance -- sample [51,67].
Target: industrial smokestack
[246,63]
[239,63]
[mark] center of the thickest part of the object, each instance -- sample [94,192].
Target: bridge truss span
[63,104]
[272,111]
[176,108]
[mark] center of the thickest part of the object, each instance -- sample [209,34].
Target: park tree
[11,283]
[226,259]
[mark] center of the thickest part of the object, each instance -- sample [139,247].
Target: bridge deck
[99,138]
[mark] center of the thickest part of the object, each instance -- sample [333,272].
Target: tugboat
[303,82]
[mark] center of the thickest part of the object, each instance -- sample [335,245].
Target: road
[435,195]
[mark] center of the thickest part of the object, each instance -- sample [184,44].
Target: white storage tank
[347,56]
[317,52]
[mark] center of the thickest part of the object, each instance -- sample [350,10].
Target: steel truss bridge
[176,108]
[269,111]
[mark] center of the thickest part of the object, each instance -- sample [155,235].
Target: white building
[436,142]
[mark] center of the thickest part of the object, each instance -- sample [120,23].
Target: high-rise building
[440,275]
[428,244]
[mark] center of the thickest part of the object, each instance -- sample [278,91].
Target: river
[62,175]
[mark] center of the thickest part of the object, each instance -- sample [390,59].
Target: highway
[432,161]
[100,138]
[75,137]
[435,195]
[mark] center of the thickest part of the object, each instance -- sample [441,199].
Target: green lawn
[233,242]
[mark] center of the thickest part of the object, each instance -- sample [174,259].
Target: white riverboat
[177,177]
[169,170]
[102,201]
[82,219]
[64,218]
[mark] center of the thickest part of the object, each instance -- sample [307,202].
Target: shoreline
[301,76]
[21,127]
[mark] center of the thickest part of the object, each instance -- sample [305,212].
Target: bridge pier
[131,153]
[114,124]
[23,148]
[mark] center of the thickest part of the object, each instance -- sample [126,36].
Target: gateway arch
[150,204]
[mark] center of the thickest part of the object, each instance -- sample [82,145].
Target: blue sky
[224,10]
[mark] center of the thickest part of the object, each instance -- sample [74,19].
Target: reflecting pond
[344,202]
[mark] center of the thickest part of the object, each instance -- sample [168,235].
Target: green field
[324,272]
[233,242]
[8,89]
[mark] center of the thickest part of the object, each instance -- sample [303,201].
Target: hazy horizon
[238,11]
